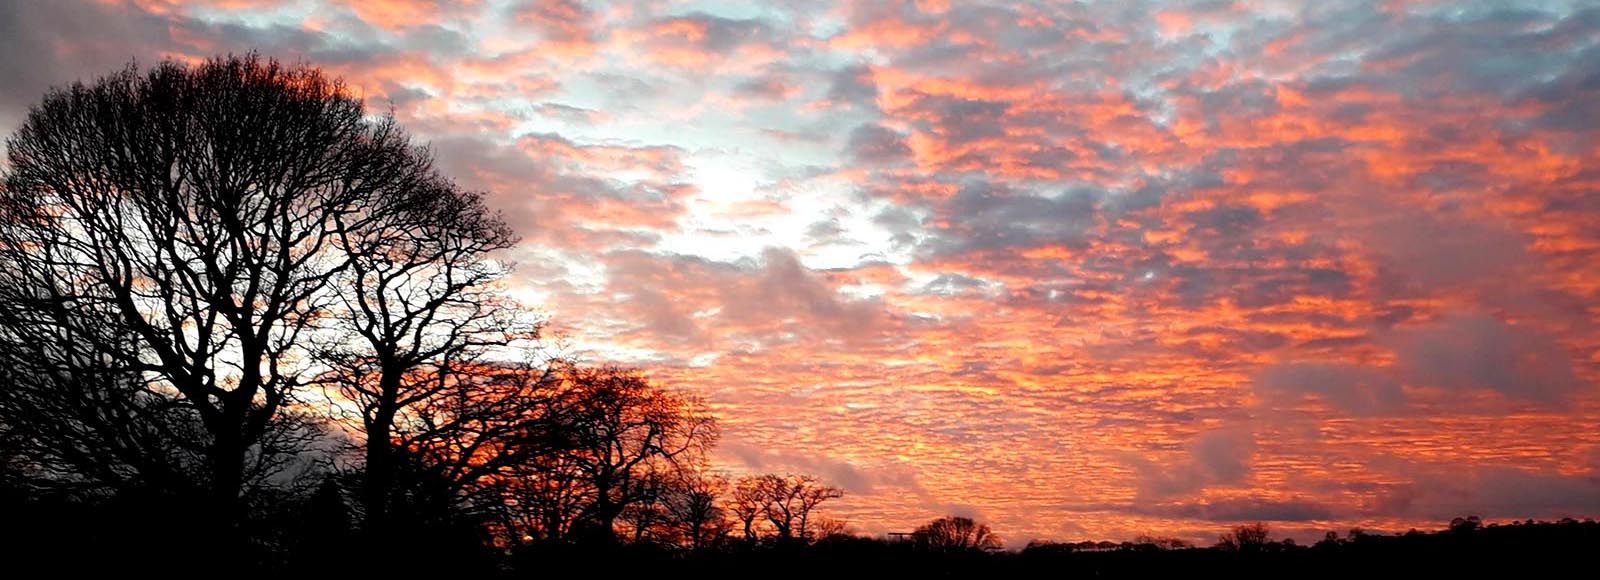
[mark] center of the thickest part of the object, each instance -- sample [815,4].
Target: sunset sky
[1082,270]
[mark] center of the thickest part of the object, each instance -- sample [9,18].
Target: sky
[1082,270]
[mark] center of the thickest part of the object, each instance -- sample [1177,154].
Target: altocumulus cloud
[1191,263]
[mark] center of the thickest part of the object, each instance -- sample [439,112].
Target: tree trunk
[378,484]
[224,510]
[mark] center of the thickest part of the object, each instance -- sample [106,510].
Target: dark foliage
[1518,550]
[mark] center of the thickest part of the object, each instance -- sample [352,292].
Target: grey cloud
[726,34]
[775,294]
[1352,389]
[853,86]
[1490,492]
[853,478]
[989,217]
[569,113]
[1459,352]
[1241,510]
[58,42]
[764,87]
[1221,457]
[878,145]
[1478,351]
[104,37]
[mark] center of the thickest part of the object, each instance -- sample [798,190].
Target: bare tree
[647,520]
[1245,538]
[748,502]
[826,527]
[73,421]
[794,500]
[811,495]
[787,504]
[1162,542]
[417,305]
[194,213]
[622,430]
[956,533]
[540,499]
[616,445]
[692,504]
[1465,525]
[479,428]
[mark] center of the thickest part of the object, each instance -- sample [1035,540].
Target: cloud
[852,86]
[1241,510]
[567,26]
[1461,352]
[770,299]
[408,13]
[1490,492]
[1352,389]
[875,144]
[1482,352]
[66,41]
[1221,457]
[990,217]
[848,476]
[570,113]
[700,41]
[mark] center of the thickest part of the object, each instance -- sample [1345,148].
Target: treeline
[1466,549]
[1518,550]
[245,323]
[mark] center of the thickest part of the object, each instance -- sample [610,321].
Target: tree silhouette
[324,529]
[182,227]
[623,428]
[956,533]
[786,504]
[541,498]
[1245,538]
[460,457]
[477,426]
[1161,542]
[748,502]
[1465,525]
[72,419]
[416,306]
[692,503]
[620,441]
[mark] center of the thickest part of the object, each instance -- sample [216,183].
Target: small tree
[618,443]
[1465,525]
[956,533]
[481,426]
[748,503]
[692,503]
[1245,538]
[1162,542]
[786,504]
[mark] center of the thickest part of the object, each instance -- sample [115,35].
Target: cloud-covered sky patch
[1083,268]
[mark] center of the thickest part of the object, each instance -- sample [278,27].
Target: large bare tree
[182,227]
[76,422]
[419,311]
